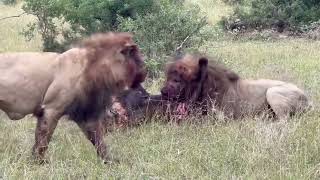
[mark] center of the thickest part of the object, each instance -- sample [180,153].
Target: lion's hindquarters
[24,78]
[286,100]
[21,90]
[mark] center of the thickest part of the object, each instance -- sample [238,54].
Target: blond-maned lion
[77,83]
[193,79]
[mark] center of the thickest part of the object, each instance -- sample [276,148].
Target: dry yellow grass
[10,29]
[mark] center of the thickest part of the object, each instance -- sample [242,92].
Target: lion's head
[183,76]
[112,63]
[189,76]
[114,57]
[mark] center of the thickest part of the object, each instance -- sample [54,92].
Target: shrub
[46,12]
[312,31]
[9,2]
[81,17]
[164,32]
[233,2]
[160,27]
[277,13]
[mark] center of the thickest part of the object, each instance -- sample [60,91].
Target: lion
[195,80]
[77,83]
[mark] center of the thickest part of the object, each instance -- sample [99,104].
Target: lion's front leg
[46,125]
[94,131]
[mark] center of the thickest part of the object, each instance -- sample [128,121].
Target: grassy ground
[248,149]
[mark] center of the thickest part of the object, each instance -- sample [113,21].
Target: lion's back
[27,60]
[24,78]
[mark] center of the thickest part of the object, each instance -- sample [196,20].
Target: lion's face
[135,64]
[117,61]
[183,77]
[175,86]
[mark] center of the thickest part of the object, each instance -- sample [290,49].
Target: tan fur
[253,97]
[77,83]
[23,77]
[222,89]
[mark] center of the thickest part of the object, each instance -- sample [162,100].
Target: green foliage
[165,31]
[289,13]
[232,2]
[9,2]
[78,18]
[46,12]
[160,27]
[94,16]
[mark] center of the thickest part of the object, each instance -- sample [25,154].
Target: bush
[312,31]
[9,2]
[46,12]
[277,13]
[160,27]
[165,31]
[233,2]
[82,17]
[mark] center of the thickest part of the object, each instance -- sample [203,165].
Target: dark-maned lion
[77,83]
[193,79]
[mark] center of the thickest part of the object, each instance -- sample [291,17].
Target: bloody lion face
[183,78]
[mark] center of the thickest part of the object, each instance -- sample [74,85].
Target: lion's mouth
[180,108]
[173,98]
[181,111]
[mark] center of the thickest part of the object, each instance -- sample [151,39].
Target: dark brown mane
[198,81]
[98,45]
[219,80]
[217,69]
[96,90]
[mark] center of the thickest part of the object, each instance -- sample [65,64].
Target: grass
[248,149]
[11,39]
[213,9]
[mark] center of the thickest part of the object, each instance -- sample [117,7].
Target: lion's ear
[203,69]
[129,50]
[203,62]
[232,76]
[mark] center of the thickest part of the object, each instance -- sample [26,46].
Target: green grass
[248,149]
